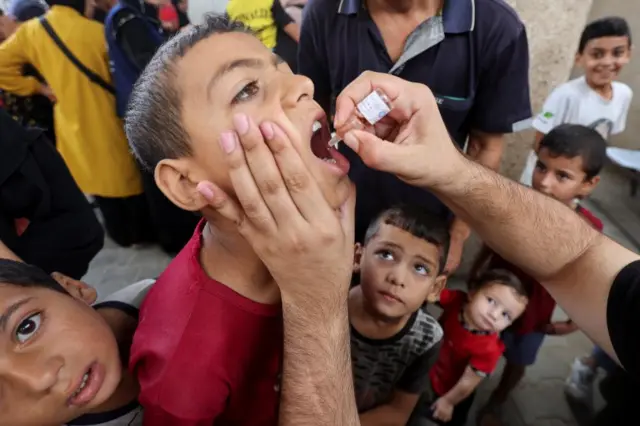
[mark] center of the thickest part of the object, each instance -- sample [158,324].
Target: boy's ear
[175,179]
[434,294]
[588,186]
[357,258]
[77,289]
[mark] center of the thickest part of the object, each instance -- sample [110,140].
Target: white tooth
[329,160]
[316,126]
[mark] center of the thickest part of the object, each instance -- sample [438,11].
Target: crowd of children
[178,358]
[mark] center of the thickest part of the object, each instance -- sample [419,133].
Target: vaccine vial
[368,112]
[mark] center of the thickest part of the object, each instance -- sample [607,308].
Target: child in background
[594,100]
[393,342]
[264,18]
[471,347]
[209,346]
[63,361]
[570,157]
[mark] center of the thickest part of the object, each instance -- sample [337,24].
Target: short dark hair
[418,222]
[24,275]
[612,26]
[153,121]
[77,5]
[500,276]
[573,140]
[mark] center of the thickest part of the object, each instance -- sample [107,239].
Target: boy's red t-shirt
[204,354]
[540,308]
[461,347]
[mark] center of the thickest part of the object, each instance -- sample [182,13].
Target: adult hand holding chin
[281,211]
[411,142]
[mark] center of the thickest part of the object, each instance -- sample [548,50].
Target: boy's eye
[28,327]
[619,52]
[421,269]
[247,92]
[563,176]
[385,254]
[490,300]
[540,166]
[506,316]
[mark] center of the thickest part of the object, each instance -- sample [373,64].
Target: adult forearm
[518,223]
[317,383]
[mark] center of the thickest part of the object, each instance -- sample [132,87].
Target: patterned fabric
[29,111]
[400,362]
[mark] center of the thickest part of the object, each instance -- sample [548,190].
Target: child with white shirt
[594,100]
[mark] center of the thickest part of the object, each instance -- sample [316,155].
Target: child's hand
[442,410]
[45,90]
[560,328]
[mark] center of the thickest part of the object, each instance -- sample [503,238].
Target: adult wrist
[453,176]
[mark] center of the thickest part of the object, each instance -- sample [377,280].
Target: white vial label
[373,108]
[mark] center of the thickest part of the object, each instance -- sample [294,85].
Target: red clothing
[541,305]
[204,354]
[461,347]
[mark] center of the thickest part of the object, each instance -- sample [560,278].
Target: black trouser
[126,219]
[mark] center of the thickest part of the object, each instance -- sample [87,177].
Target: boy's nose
[397,276]
[29,372]
[546,183]
[494,313]
[295,88]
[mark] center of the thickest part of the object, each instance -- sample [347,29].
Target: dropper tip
[335,140]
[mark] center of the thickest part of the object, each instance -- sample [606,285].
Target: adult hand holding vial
[368,112]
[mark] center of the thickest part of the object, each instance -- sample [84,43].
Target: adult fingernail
[337,119]
[205,190]
[241,122]
[228,142]
[267,130]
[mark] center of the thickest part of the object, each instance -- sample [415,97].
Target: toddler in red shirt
[209,345]
[471,346]
[570,158]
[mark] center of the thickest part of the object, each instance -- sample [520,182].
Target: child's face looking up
[603,58]
[231,73]
[398,272]
[494,307]
[562,178]
[49,341]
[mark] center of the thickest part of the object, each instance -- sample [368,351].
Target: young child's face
[494,306]
[603,58]
[233,73]
[562,178]
[398,272]
[49,343]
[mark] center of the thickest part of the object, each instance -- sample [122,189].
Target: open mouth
[321,135]
[88,385]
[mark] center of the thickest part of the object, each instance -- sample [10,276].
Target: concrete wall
[629,9]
